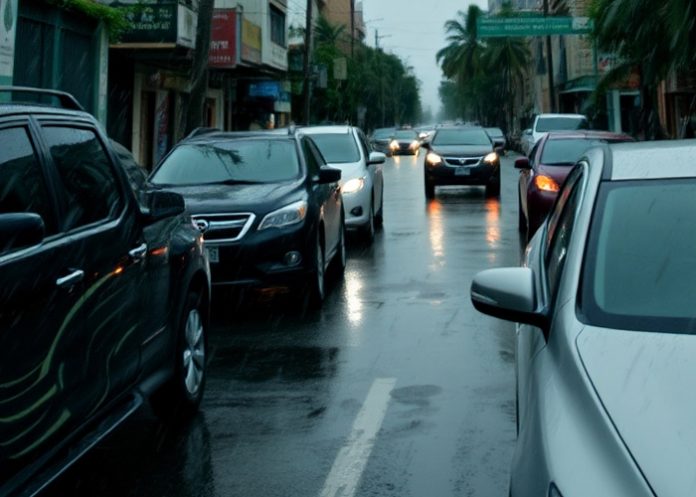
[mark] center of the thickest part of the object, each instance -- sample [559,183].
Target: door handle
[71,279]
[138,253]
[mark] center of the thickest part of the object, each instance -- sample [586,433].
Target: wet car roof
[588,135]
[653,160]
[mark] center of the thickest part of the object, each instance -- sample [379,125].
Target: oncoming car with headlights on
[404,141]
[270,209]
[461,155]
[362,179]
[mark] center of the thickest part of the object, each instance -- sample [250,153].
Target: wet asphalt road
[397,387]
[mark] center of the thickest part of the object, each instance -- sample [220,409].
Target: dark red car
[546,168]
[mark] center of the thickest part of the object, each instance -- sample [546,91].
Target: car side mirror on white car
[376,158]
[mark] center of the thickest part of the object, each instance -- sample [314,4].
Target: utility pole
[307,67]
[352,28]
[549,52]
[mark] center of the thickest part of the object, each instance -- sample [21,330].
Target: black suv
[270,209]
[462,155]
[103,290]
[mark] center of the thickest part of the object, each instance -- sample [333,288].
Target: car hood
[349,170]
[257,198]
[646,382]
[462,150]
[558,173]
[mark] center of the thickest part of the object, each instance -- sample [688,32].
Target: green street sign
[488,27]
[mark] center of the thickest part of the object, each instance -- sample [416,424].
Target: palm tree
[461,59]
[510,58]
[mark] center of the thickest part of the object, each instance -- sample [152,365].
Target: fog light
[292,258]
[356,211]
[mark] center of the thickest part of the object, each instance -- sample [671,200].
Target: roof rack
[202,130]
[66,100]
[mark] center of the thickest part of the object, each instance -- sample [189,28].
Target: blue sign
[268,89]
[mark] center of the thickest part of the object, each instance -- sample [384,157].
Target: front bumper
[259,258]
[356,207]
[480,174]
[404,149]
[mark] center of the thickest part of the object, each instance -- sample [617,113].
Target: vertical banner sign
[161,125]
[8,30]
[223,39]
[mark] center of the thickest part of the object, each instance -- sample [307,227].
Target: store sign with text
[251,42]
[223,39]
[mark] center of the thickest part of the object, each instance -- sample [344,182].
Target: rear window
[640,265]
[566,152]
[252,161]
[545,124]
[337,148]
[461,137]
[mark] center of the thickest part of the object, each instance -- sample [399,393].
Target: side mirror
[20,230]
[376,158]
[507,293]
[500,150]
[522,163]
[499,142]
[163,204]
[527,131]
[329,175]
[426,145]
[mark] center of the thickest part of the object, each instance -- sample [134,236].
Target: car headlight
[394,144]
[490,158]
[433,159]
[285,216]
[353,185]
[414,144]
[546,183]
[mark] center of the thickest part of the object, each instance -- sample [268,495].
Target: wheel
[182,394]
[521,220]
[368,230]
[317,285]
[493,187]
[339,261]
[429,188]
[379,217]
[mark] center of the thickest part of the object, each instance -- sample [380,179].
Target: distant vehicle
[362,179]
[404,141]
[461,155]
[104,290]
[269,207]
[606,337]
[497,136]
[543,123]
[380,140]
[549,162]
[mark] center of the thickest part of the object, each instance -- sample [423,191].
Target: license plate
[213,254]
[462,171]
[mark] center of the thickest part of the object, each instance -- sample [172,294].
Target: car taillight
[546,183]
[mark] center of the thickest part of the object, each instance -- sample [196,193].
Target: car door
[37,308]
[549,258]
[107,247]
[328,197]
[374,170]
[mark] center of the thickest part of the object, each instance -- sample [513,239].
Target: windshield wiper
[233,182]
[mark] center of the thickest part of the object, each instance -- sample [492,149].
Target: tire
[368,231]
[493,187]
[429,188]
[317,285]
[521,220]
[181,396]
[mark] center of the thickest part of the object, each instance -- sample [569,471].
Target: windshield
[337,148]
[640,267]
[564,152]
[461,137]
[382,134]
[545,124]
[257,161]
[495,132]
[405,134]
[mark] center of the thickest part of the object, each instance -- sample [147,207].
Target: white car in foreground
[362,184]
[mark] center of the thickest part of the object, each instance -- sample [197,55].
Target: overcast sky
[414,32]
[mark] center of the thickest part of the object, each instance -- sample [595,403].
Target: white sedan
[362,183]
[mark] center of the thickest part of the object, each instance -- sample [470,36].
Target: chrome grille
[462,161]
[222,228]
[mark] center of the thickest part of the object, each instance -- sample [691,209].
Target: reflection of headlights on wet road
[353,185]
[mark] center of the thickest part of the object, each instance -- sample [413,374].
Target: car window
[137,176]
[564,152]
[313,161]
[382,134]
[639,271]
[533,153]
[337,148]
[229,161]
[560,228]
[22,184]
[362,140]
[90,186]
[545,124]
[405,134]
[461,137]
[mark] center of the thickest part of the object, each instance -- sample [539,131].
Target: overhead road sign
[498,27]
